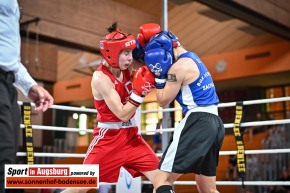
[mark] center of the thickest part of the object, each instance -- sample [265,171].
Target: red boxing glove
[146,31]
[143,83]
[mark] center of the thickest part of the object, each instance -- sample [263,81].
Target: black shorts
[195,145]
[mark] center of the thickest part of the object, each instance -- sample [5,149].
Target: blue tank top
[200,92]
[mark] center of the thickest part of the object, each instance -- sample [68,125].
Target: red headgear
[112,45]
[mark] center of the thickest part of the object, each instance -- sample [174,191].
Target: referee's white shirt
[10,45]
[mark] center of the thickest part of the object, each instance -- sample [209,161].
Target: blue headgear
[165,40]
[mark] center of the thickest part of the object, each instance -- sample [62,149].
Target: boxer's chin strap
[241,159]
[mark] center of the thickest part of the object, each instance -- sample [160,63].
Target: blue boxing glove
[158,61]
[138,52]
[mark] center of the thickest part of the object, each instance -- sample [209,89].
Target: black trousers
[10,118]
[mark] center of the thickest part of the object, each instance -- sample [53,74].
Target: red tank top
[124,89]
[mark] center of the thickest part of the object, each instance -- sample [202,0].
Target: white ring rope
[247,183]
[231,125]
[61,107]
[53,128]
[60,155]
[230,104]
[228,125]
[80,155]
[67,108]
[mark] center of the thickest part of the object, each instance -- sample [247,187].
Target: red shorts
[113,148]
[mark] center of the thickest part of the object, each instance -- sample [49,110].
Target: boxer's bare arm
[174,80]
[103,88]
[181,73]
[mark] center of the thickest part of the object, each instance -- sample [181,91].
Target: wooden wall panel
[151,7]
[40,62]
[282,4]
[68,60]
[73,90]
[275,10]
[207,36]
[82,22]
[183,20]
[250,62]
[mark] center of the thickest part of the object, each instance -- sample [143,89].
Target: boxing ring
[278,151]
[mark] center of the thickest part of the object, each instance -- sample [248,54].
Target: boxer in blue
[196,141]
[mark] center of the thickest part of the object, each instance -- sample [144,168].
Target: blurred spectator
[255,129]
[285,177]
[252,167]
[232,168]
[157,138]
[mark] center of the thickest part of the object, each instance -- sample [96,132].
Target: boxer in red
[116,142]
